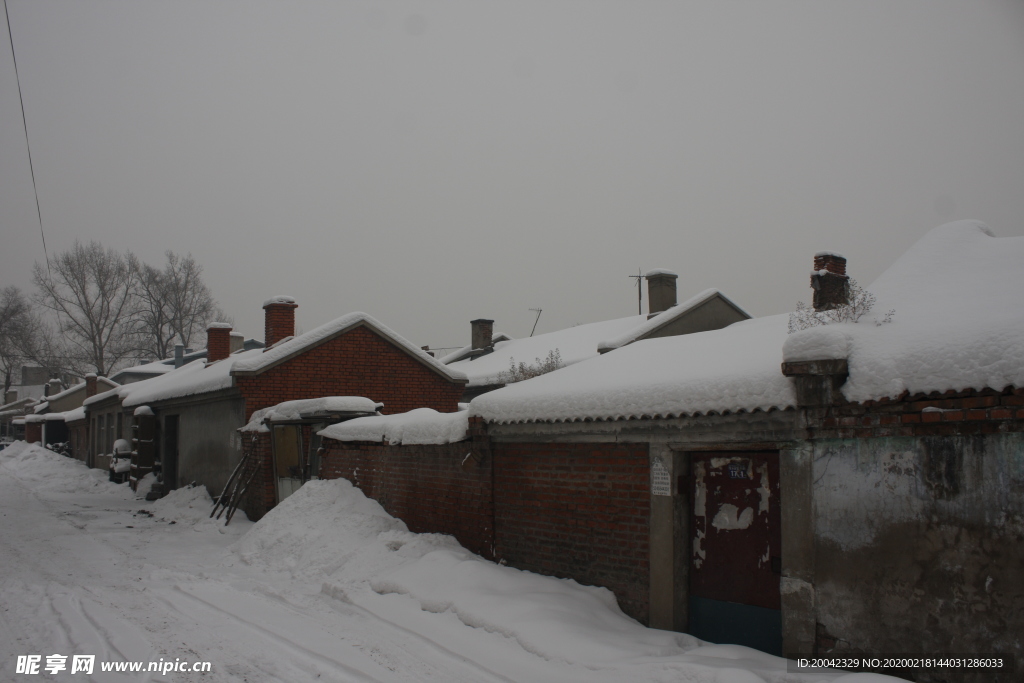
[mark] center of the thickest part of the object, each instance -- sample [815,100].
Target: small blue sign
[737,470]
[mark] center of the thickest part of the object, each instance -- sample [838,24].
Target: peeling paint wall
[919,545]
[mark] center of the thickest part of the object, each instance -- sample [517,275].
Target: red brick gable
[357,362]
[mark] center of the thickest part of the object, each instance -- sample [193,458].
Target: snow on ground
[326,587]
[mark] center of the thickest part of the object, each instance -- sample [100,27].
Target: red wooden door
[735,535]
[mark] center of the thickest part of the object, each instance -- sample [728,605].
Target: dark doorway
[736,539]
[169,459]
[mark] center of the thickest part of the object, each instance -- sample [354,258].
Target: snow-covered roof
[959,324]
[574,344]
[419,426]
[79,387]
[103,395]
[158,367]
[282,352]
[737,368]
[465,350]
[667,316]
[959,321]
[188,380]
[310,407]
[75,414]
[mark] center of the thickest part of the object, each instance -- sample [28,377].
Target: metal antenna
[539,311]
[639,291]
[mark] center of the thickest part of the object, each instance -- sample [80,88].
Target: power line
[24,123]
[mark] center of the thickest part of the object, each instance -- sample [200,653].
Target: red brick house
[198,408]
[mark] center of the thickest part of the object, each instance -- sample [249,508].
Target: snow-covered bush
[517,373]
[861,302]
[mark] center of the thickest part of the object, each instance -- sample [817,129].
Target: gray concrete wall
[209,445]
[919,545]
[713,314]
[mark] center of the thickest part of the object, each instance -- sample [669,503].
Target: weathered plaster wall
[919,545]
[209,444]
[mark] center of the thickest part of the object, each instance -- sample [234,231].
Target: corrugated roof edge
[666,317]
[280,354]
[654,416]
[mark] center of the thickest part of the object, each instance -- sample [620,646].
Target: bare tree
[14,312]
[174,303]
[92,294]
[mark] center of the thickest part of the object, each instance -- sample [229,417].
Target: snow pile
[325,405]
[667,316]
[285,350]
[419,426]
[732,369]
[50,472]
[574,344]
[317,529]
[190,505]
[959,320]
[557,619]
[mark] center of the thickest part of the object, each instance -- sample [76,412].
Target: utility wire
[24,123]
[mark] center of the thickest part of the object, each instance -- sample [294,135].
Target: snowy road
[326,588]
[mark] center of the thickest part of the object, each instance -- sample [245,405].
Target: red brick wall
[579,511]
[278,322]
[425,486]
[357,363]
[983,411]
[218,343]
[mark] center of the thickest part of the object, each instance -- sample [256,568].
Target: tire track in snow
[339,595]
[99,633]
[281,628]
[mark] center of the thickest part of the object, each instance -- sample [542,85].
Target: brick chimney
[483,333]
[218,342]
[829,281]
[279,319]
[661,290]
[53,387]
[90,384]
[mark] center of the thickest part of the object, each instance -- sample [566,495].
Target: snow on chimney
[483,333]
[218,342]
[829,281]
[279,319]
[90,384]
[661,290]
[52,387]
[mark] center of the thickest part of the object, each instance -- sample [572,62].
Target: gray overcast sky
[434,162]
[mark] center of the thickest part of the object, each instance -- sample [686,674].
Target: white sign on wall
[661,480]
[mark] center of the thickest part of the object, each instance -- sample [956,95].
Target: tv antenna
[536,320]
[639,291]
